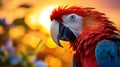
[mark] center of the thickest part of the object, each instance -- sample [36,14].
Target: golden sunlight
[44,16]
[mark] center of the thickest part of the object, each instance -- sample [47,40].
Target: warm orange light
[66,44]
[44,16]
[30,39]
[38,18]
[50,43]
[1,30]
[53,61]
[31,21]
[16,32]
[21,48]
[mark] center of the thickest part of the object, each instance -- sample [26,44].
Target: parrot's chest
[89,62]
[85,61]
[88,58]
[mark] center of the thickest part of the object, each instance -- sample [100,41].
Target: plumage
[95,30]
[109,53]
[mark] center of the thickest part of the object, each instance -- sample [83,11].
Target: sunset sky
[110,7]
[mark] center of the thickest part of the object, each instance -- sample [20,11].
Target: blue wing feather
[107,54]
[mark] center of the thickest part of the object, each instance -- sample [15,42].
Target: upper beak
[60,32]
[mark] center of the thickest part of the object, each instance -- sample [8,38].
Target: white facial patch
[74,22]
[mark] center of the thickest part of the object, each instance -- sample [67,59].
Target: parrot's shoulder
[105,46]
[113,41]
[108,51]
[111,44]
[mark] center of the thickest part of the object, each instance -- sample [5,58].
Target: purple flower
[9,46]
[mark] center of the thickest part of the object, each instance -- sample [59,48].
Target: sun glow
[44,16]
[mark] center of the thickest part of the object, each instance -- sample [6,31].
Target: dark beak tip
[59,44]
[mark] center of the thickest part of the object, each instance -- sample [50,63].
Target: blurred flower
[8,55]
[4,23]
[14,59]
[40,63]
[9,47]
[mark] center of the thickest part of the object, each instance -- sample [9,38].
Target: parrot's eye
[73,17]
[70,18]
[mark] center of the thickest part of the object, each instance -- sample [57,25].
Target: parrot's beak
[60,32]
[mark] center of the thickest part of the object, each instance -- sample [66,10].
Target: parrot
[92,36]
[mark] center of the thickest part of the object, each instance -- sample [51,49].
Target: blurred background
[25,39]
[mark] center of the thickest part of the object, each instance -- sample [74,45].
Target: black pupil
[72,17]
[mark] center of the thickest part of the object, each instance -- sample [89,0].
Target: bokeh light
[50,43]
[31,21]
[53,61]
[44,16]
[30,39]
[16,32]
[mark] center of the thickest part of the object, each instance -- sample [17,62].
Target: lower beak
[60,32]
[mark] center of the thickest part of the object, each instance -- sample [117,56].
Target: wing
[107,53]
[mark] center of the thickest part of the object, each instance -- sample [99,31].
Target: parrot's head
[68,23]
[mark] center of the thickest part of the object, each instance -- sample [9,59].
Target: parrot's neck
[86,43]
[94,30]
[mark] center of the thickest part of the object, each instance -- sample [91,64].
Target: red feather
[60,11]
[96,27]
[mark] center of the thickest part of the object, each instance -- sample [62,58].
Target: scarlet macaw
[92,36]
